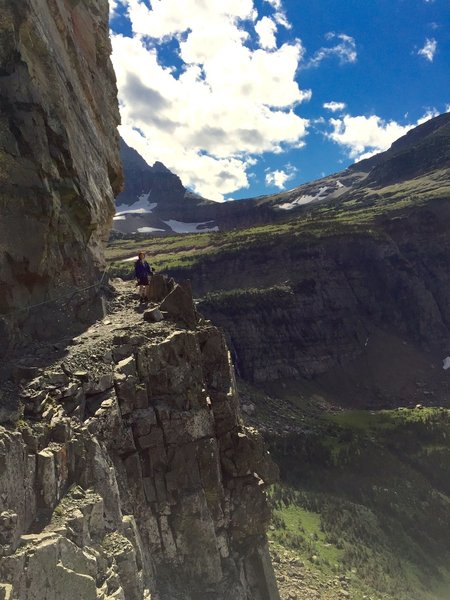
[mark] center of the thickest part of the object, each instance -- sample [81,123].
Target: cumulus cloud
[266,29]
[429,49]
[226,102]
[344,50]
[430,114]
[362,137]
[279,178]
[335,106]
[279,14]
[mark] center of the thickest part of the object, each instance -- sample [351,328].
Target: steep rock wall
[59,163]
[131,474]
[312,304]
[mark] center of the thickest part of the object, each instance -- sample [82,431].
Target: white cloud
[447,108]
[279,178]
[277,4]
[335,106]
[279,15]
[172,17]
[266,29]
[226,103]
[429,49]
[430,114]
[363,137]
[113,6]
[344,50]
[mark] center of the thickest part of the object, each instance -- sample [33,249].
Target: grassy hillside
[362,212]
[366,495]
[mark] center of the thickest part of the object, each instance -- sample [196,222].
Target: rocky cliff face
[59,163]
[131,474]
[298,307]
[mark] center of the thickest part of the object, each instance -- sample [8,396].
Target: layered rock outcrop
[299,306]
[131,475]
[59,163]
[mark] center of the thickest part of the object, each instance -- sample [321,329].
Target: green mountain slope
[363,504]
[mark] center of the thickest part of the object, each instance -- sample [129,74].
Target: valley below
[338,325]
[361,510]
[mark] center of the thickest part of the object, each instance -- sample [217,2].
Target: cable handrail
[57,299]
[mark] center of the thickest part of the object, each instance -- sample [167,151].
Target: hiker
[142,271]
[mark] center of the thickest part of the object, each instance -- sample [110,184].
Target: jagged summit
[155,201]
[158,167]
[142,178]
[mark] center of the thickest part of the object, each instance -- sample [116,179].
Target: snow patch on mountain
[322,193]
[141,206]
[180,227]
[148,229]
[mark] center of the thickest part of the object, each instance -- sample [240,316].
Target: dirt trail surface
[87,351]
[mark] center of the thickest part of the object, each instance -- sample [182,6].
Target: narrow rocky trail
[129,473]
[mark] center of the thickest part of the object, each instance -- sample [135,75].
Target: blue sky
[248,97]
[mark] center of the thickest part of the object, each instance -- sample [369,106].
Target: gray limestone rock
[160,491]
[59,164]
[160,287]
[153,316]
[179,305]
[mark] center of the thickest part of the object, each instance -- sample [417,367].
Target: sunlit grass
[362,214]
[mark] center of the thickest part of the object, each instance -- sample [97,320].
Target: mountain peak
[159,167]
[422,131]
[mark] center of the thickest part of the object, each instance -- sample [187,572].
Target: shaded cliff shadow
[33,339]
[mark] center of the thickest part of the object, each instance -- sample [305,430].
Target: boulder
[179,305]
[153,316]
[160,286]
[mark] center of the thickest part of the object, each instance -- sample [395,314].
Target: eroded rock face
[303,307]
[132,475]
[59,164]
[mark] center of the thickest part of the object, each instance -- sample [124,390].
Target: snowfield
[179,227]
[141,206]
[148,229]
[321,194]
